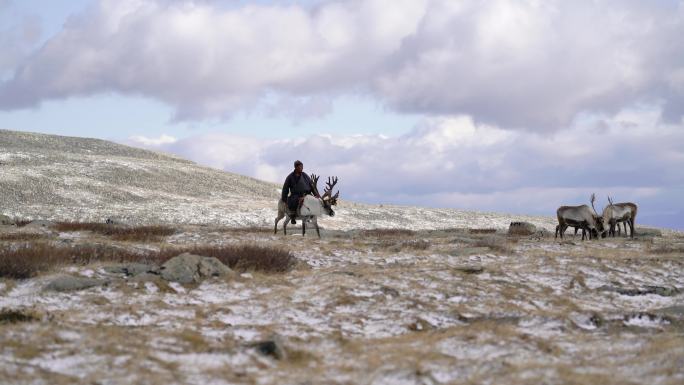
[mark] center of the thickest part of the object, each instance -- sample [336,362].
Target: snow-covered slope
[66,178]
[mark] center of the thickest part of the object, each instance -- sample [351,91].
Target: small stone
[521,228]
[72,283]
[273,347]
[6,221]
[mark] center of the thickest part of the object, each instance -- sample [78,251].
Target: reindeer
[633,208]
[311,207]
[579,217]
[616,213]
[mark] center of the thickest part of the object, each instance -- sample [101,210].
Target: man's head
[299,166]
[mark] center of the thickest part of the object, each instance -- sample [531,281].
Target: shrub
[247,257]
[14,316]
[31,259]
[482,231]
[388,233]
[21,236]
[494,242]
[119,233]
[20,222]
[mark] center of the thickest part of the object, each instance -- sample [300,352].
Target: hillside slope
[66,178]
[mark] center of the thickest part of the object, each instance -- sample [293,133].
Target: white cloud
[144,141]
[523,64]
[451,161]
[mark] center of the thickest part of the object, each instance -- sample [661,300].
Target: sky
[508,106]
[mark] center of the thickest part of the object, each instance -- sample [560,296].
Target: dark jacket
[296,185]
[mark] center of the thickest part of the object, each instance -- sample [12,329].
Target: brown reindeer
[579,217]
[616,213]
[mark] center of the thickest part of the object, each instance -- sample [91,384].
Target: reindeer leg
[576,229]
[303,226]
[278,218]
[556,235]
[315,221]
[287,219]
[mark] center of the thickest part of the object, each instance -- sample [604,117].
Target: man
[296,185]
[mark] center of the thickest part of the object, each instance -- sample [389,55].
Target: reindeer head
[598,219]
[327,198]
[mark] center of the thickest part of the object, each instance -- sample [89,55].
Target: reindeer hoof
[293,221]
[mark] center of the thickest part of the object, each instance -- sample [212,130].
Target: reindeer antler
[610,200]
[314,184]
[328,190]
[330,184]
[593,198]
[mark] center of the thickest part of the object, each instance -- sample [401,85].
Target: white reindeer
[311,207]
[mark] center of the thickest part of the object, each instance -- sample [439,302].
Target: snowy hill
[66,178]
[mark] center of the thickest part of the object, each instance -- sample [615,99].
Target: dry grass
[21,237]
[493,242]
[15,316]
[482,231]
[119,233]
[31,259]
[248,257]
[667,248]
[388,233]
[247,230]
[21,222]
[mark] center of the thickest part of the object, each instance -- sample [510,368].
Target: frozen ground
[432,307]
[424,307]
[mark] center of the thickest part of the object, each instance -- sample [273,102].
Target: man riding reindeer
[296,186]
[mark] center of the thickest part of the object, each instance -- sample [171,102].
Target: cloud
[452,161]
[144,141]
[516,65]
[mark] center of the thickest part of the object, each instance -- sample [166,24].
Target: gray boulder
[272,347]
[521,228]
[189,268]
[39,224]
[73,283]
[132,269]
[145,277]
[6,221]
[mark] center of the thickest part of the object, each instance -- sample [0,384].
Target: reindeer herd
[581,217]
[592,225]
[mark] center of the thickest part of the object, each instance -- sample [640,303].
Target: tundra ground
[373,306]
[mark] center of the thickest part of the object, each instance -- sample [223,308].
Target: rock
[272,347]
[521,228]
[145,277]
[657,290]
[72,283]
[676,311]
[132,269]
[212,267]
[470,269]
[40,224]
[6,221]
[188,268]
